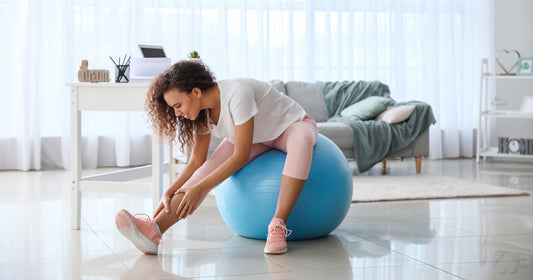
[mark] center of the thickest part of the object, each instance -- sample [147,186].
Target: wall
[513,26]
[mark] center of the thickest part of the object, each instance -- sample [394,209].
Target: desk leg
[157,169]
[75,159]
[168,170]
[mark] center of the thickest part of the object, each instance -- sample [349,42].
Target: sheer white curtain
[424,50]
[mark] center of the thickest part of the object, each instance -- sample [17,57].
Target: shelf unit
[485,150]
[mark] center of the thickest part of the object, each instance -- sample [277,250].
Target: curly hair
[183,76]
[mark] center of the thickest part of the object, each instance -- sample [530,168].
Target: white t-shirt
[242,99]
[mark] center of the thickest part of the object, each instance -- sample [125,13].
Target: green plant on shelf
[194,54]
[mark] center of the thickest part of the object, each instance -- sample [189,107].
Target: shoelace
[150,220]
[281,233]
[146,217]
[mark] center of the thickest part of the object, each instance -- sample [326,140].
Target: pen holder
[122,73]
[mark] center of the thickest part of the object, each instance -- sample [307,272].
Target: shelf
[506,114]
[505,172]
[483,147]
[495,76]
[493,152]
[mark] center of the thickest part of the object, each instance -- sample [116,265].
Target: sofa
[337,128]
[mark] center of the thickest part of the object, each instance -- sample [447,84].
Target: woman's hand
[192,196]
[163,204]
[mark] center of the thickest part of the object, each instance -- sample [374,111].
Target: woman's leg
[223,151]
[290,189]
[298,142]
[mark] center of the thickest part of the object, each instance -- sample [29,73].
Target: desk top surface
[109,85]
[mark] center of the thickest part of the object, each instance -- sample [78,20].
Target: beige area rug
[422,186]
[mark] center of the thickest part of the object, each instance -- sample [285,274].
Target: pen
[113,61]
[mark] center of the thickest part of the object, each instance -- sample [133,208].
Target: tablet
[152,51]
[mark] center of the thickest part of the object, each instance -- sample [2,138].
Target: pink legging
[297,141]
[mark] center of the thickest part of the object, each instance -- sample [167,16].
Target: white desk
[113,97]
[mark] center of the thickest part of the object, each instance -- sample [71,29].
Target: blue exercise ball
[247,199]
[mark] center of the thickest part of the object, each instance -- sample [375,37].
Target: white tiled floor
[437,239]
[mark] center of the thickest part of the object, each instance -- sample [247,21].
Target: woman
[188,103]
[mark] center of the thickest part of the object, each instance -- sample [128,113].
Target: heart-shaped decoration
[507,57]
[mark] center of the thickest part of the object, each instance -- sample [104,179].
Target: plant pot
[199,60]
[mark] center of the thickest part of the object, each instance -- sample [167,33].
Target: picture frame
[527,105]
[525,66]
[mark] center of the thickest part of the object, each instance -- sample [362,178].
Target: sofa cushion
[309,96]
[396,114]
[367,108]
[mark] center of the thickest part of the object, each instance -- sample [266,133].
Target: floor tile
[494,225]
[269,276]
[376,273]
[98,267]
[462,250]
[497,270]
[338,251]
[216,262]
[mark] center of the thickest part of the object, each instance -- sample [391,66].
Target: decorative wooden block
[93,76]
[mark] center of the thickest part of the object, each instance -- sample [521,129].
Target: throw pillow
[367,108]
[396,114]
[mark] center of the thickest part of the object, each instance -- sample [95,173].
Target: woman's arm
[243,145]
[198,157]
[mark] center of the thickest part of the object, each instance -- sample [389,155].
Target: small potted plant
[194,56]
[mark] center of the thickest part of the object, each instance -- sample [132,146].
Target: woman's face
[184,105]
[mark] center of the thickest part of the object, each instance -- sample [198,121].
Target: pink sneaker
[142,232]
[277,233]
